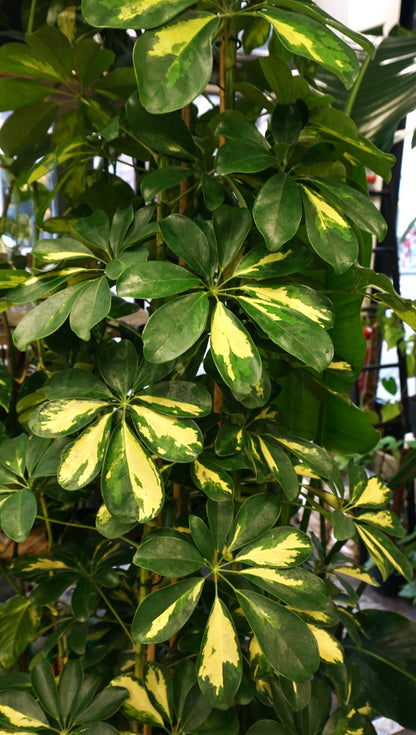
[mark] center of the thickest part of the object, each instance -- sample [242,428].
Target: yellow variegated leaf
[384,553]
[131,485]
[137,705]
[384,519]
[18,720]
[330,650]
[81,461]
[156,683]
[216,483]
[281,547]
[219,664]
[260,667]
[43,564]
[375,494]
[162,613]
[178,440]
[356,573]
[62,417]
[234,352]
[264,689]
[301,299]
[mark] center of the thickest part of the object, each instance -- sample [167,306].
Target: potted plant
[178,469]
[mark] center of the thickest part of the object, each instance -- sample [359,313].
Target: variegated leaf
[385,554]
[285,640]
[261,263]
[280,466]
[281,547]
[162,613]
[219,666]
[65,248]
[255,517]
[167,436]
[384,519]
[159,685]
[131,485]
[173,64]
[291,330]
[137,706]
[82,459]
[330,650]
[356,573]
[233,351]
[314,457]
[133,13]
[62,417]
[297,587]
[177,398]
[311,39]
[215,482]
[17,720]
[109,526]
[330,234]
[374,495]
[296,298]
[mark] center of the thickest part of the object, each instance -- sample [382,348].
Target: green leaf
[346,719]
[235,127]
[130,484]
[267,727]
[231,227]
[70,682]
[297,587]
[6,388]
[173,64]
[330,234]
[219,666]
[155,279]
[201,536]
[254,518]
[162,179]
[215,482]
[243,156]
[137,705]
[280,466]
[385,553]
[287,122]
[44,686]
[187,241]
[356,205]
[45,318]
[166,133]
[133,13]
[220,516]
[120,225]
[162,613]
[213,191]
[173,439]
[95,229]
[82,459]
[18,513]
[168,554]
[84,600]
[343,526]
[76,383]
[383,292]
[308,38]
[92,304]
[118,365]
[26,126]
[286,641]
[277,210]
[386,658]
[177,398]
[175,327]
[105,704]
[314,457]
[15,93]
[281,547]
[233,351]
[18,59]
[18,624]
[230,439]
[59,418]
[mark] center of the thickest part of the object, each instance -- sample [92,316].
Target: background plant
[176,467]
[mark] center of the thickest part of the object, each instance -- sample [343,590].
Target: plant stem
[356,87]
[47,520]
[31,21]
[114,612]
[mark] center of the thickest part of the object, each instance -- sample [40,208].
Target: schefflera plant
[206,433]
